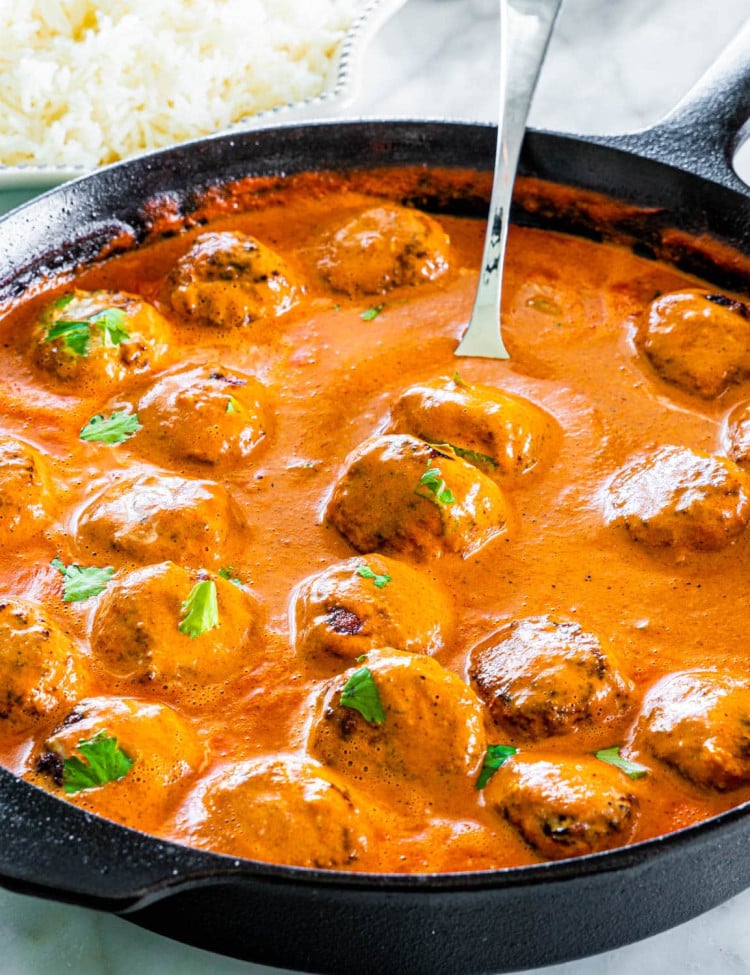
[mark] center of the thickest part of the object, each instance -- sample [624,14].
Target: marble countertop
[612,66]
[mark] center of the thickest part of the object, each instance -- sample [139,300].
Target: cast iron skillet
[341,923]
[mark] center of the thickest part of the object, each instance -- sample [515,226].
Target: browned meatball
[399,494]
[231,280]
[736,434]
[430,735]
[564,807]
[498,432]
[383,248]
[210,415]
[699,723]
[150,518]
[136,632]
[99,337]
[698,341]
[283,810]
[41,667]
[366,603]
[24,485]
[542,676]
[681,498]
[164,750]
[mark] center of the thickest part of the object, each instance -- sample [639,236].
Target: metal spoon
[525,30]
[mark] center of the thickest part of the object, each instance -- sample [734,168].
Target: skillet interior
[340,923]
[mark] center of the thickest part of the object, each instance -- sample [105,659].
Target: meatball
[699,723]
[164,750]
[736,434]
[40,665]
[231,280]
[149,518]
[284,810]
[681,498]
[210,415]
[400,494]
[138,632]
[363,604]
[697,341]
[498,432]
[99,337]
[24,484]
[430,735]
[383,248]
[542,676]
[564,807]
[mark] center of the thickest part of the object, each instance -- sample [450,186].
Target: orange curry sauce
[300,777]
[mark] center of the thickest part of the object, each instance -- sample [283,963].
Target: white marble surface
[613,65]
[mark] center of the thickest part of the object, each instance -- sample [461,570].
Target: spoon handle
[525,30]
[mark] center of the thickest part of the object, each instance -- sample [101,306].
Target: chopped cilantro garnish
[459,381]
[545,305]
[472,456]
[361,693]
[612,756]
[496,756]
[200,611]
[381,581]
[233,405]
[81,582]
[76,333]
[370,313]
[103,761]
[434,485]
[228,572]
[113,429]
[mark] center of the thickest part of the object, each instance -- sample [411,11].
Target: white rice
[86,83]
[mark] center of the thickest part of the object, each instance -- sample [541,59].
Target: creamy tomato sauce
[539,593]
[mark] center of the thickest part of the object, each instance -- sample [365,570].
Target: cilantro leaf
[81,582]
[76,333]
[459,381]
[103,761]
[233,405]
[200,611]
[496,756]
[434,485]
[370,313]
[381,581]
[75,336]
[361,693]
[228,572]
[117,428]
[612,756]
[471,456]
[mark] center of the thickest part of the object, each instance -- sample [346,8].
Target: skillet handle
[705,129]
[51,848]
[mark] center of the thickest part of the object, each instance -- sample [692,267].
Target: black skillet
[318,921]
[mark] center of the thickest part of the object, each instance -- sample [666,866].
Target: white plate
[20,183]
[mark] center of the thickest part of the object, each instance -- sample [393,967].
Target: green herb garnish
[233,405]
[459,381]
[472,456]
[104,762]
[200,611]
[370,313]
[381,581]
[434,487]
[76,333]
[545,306]
[612,756]
[113,429]
[81,582]
[496,756]
[361,693]
[228,572]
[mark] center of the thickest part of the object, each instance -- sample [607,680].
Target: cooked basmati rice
[89,83]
